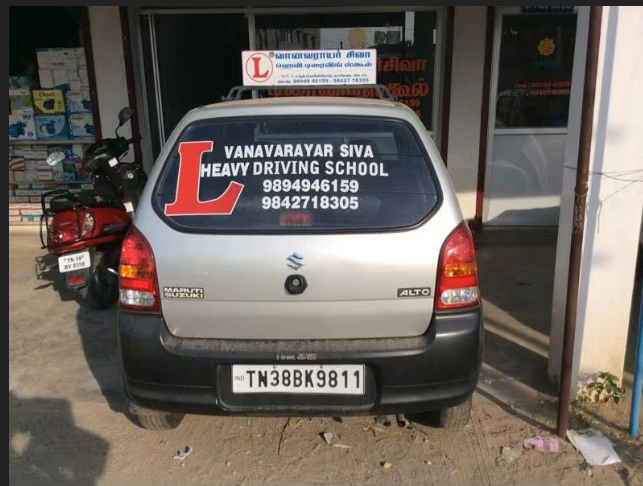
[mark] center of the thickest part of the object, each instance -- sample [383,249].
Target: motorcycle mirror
[124,115]
[55,158]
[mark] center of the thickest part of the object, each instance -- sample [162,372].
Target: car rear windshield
[296,173]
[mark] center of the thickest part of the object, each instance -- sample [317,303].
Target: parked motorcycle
[85,230]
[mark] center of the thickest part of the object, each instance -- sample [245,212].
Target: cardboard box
[31,175]
[21,192]
[81,59]
[15,219]
[79,101]
[22,127]
[31,165]
[61,79]
[17,163]
[74,80]
[14,212]
[46,78]
[84,77]
[21,201]
[81,125]
[20,101]
[53,58]
[42,165]
[19,176]
[48,101]
[39,152]
[51,127]
[45,175]
[20,82]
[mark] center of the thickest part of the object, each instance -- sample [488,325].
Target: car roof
[301,105]
[302,101]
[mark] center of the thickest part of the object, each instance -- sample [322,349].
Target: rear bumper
[404,375]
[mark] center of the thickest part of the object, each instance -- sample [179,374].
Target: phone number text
[306,185]
[310,202]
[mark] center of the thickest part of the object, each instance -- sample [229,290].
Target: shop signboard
[339,67]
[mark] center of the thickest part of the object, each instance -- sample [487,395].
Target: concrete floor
[65,400]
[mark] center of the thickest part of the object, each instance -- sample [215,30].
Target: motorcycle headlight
[88,225]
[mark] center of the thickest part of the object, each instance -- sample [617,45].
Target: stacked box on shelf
[14,210]
[22,124]
[62,68]
[79,113]
[66,69]
[51,123]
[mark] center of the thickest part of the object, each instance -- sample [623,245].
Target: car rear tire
[153,419]
[160,421]
[455,417]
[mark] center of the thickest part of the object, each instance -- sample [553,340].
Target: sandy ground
[66,425]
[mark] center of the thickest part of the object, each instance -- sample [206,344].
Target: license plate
[299,379]
[74,261]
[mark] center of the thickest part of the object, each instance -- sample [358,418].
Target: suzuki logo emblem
[295,261]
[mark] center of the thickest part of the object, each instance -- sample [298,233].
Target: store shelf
[67,141]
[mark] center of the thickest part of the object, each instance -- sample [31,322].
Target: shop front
[192,57]
[492,84]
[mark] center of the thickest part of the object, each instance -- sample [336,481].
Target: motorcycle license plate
[74,261]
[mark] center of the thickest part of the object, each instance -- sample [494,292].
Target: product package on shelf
[62,68]
[21,82]
[81,125]
[78,101]
[52,127]
[48,101]
[20,102]
[53,58]
[17,163]
[22,127]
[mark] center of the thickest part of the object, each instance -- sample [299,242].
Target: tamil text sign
[314,67]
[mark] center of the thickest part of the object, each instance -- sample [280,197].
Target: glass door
[190,60]
[529,108]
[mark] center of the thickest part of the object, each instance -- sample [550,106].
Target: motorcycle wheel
[102,290]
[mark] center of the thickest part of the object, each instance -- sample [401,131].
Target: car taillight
[457,272]
[138,285]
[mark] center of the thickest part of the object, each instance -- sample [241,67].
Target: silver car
[299,256]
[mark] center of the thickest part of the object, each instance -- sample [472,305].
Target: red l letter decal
[187,201]
[256,61]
